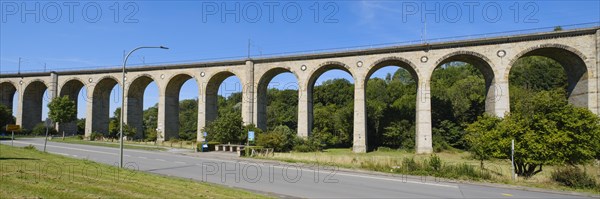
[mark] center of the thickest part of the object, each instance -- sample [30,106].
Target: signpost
[250,137]
[48,124]
[512,158]
[12,128]
[205,145]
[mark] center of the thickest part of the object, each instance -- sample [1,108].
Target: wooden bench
[229,147]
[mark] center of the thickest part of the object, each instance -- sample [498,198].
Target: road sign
[12,127]
[251,136]
[48,123]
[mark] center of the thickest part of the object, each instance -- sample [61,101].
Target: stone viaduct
[576,50]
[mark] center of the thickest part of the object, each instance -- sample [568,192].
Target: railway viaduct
[578,51]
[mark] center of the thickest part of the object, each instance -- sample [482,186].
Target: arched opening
[330,93]
[8,98]
[462,90]
[33,102]
[181,117]
[391,95]
[549,68]
[277,100]
[223,96]
[106,98]
[73,88]
[142,109]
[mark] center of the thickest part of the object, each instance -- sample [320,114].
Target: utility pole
[248,48]
[512,158]
[19,71]
[44,67]
[424,31]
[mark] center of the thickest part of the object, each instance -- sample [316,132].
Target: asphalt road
[283,179]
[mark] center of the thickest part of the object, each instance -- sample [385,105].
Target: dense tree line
[457,95]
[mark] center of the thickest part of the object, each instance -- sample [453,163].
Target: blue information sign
[251,136]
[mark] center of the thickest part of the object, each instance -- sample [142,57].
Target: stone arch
[479,61]
[371,139]
[7,93]
[27,83]
[171,92]
[71,88]
[324,67]
[309,87]
[530,50]
[134,113]
[394,61]
[484,65]
[262,88]
[572,61]
[211,91]
[31,109]
[101,103]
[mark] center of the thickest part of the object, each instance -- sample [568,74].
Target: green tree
[400,135]
[5,117]
[150,123]
[114,126]
[227,128]
[281,139]
[282,108]
[537,73]
[188,119]
[81,126]
[550,131]
[62,110]
[479,136]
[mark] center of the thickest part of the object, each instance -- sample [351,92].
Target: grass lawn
[127,145]
[394,161]
[28,173]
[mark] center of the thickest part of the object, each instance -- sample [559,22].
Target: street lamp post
[123,99]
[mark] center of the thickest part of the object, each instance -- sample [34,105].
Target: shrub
[434,166]
[385,149]
[435,162]
[281,139]
[26,131]
[410,165]
[30,147]
[184,135]
[40,129]
[573,177]
[151,135]
[248,150]
[96,136]
[307,145]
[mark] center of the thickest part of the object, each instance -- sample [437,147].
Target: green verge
[457,165]
[28,173]
[72,140]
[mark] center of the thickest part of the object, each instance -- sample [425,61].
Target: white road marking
[397,180]
[142,157]
[180,162]
[160,160]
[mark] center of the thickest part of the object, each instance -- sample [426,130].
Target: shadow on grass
[2,158]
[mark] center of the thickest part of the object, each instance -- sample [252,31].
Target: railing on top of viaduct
[445,42]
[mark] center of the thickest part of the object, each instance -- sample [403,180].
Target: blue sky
[69,36]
